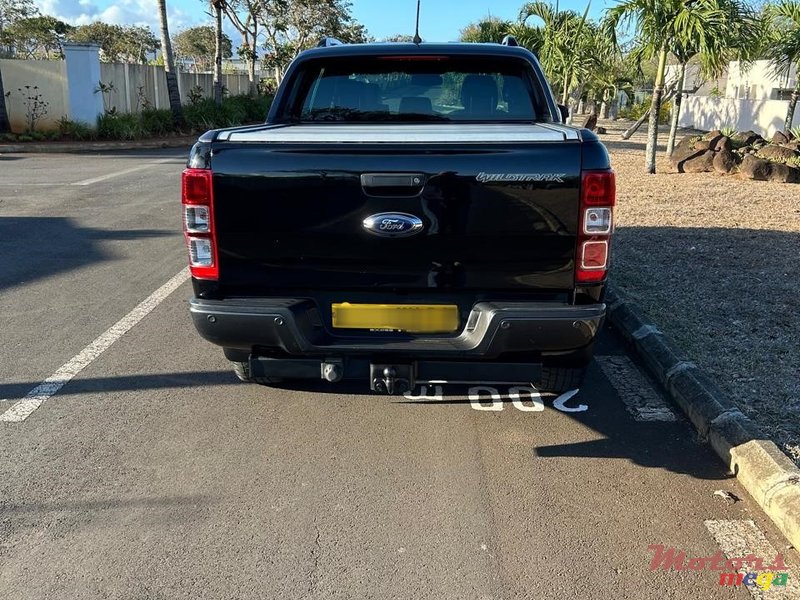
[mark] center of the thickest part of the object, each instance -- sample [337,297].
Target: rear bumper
[296,327]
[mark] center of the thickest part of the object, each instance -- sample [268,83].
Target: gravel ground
[714,261]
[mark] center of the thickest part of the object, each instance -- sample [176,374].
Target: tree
[736,36]
[400,37]
[660,27]
[244,16]
[291,26]
[217,6]
[198,44]
[10,12]
[130,43]
[490,29]
[14,10]
[36,37]
[784,51]
[169,66]
[563,43]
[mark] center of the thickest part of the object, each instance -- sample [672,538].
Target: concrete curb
[767,474]
[61,147]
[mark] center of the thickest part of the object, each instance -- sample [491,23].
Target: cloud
[122,12]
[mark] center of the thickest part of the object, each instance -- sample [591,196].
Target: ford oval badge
[392,224]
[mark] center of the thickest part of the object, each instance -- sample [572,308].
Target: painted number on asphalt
[525,399]
[487,398]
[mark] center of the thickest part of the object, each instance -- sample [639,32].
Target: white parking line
[22,409]
[636,391]
[108,176]
[742,539]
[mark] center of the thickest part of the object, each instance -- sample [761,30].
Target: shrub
[75,130]
[156,123]
[235,110]
[200,117]
[120,126]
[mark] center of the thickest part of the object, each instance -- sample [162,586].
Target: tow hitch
[391,379]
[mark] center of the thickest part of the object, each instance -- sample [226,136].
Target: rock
[755,168]
[794,145]
[699,164]
[684,151]
[723,143]
[724,162]
[748,138]
[590,122]
[776,152]
[601,130]
[700,145]
[713,137]
[781,173]
[780,138]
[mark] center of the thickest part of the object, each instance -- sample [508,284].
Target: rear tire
[242,370]
[561,379]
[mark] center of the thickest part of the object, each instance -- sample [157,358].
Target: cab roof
[411,49]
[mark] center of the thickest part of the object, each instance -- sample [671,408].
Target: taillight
[197,197]
[598,196]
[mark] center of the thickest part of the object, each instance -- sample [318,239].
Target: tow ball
[391,379]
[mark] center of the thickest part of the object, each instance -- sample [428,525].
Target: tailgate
[488,216]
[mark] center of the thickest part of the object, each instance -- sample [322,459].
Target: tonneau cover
[477,133]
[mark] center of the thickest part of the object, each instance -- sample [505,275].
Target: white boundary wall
[51,78]
[762,116]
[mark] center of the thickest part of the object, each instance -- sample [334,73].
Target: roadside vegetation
[272,33]
[151,123]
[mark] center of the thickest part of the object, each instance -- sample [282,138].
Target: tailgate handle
[392,180]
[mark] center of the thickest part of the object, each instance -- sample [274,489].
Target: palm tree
[169,66]
[660,27]
[563,43]
[737,37]
[784,51]
[490,29]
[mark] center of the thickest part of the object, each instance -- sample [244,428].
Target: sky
[440,20]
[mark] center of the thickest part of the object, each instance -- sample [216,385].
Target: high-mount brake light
[197,197]
[598,197]
[416,58]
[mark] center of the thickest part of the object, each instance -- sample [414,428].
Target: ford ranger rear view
[408,214]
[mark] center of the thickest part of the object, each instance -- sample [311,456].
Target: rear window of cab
[417,88]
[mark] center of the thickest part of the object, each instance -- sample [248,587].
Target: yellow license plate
[413,318]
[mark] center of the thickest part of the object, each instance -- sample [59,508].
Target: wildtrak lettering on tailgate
[521,177]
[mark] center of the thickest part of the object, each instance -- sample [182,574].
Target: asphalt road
[155,474]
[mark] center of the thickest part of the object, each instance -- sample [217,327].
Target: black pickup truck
[409,213]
